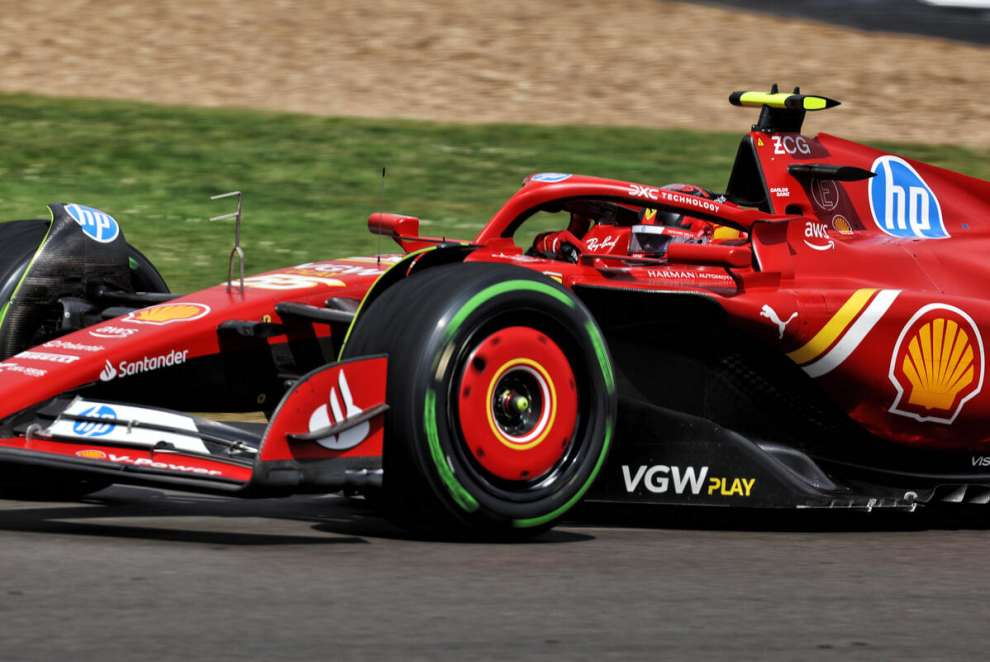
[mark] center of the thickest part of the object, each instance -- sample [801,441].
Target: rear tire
[502,399]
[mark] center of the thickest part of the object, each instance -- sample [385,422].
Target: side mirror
[393,225]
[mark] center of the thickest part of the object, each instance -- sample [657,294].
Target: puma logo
[771,315]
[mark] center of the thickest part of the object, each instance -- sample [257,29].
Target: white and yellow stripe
[844,332]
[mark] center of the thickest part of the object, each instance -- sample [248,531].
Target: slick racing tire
[502,399]
[19,240]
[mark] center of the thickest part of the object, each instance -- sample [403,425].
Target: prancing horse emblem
[771,315]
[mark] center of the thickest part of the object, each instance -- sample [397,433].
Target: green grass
[310,182]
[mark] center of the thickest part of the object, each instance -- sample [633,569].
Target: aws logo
[816,237]
[902,204]
[937,365]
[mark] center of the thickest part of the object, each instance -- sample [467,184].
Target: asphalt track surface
[907,16]
[139,574]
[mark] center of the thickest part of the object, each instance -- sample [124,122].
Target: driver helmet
[674,219]
[579,225]
[678,220]
[653,240]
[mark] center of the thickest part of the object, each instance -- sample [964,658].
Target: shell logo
[841,224]
[167,313]
[937,365]
[91,454]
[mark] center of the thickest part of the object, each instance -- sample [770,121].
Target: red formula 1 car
[810,338]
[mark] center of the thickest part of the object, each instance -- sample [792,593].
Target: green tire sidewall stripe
[27,270]
[601,353]
[609,376]
[501,288]
[549,517]
[460,494]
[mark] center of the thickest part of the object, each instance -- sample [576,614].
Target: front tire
[19,241]
[502,399]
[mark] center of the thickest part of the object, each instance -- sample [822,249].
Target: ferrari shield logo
[937,365]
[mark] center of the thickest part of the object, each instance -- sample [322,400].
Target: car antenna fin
[236,251]
[378,241]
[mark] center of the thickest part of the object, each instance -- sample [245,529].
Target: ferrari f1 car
[812,337]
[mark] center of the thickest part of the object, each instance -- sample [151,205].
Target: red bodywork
[849,297]
[889,321]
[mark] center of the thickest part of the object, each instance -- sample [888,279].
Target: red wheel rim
[517,403]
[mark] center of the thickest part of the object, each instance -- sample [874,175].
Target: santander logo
[108,372]
[337,409]
[145,364]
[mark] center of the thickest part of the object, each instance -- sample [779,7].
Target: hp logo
[97,225]
[92,428]
[902,203]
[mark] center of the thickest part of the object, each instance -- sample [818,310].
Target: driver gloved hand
[568,252]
